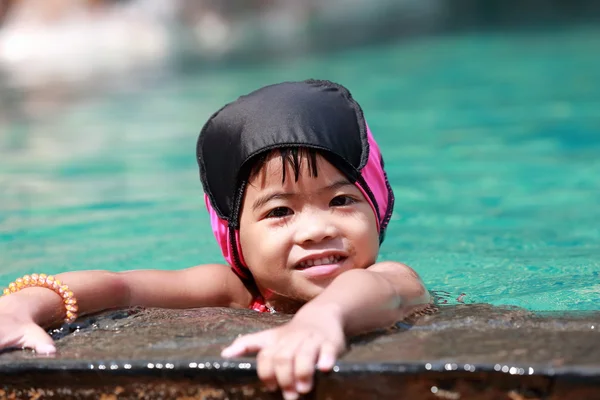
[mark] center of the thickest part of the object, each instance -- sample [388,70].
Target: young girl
[299,203]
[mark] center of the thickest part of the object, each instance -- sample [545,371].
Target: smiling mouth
[320,261]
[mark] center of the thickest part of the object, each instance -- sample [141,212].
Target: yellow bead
[72,308]
[68,294]
[19,283]
[6,292]
[50,280]
[34,277]
[63,289]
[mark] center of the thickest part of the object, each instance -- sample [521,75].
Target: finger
[327,357]
[247,344]
[304,367]
[37,339]
[285,356]
[265,368]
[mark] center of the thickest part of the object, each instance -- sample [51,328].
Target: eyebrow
[262,200]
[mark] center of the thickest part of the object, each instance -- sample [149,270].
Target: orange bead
[72,308]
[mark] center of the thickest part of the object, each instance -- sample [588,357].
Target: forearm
[364,300]
[94,290]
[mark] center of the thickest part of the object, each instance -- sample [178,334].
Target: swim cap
[313,114]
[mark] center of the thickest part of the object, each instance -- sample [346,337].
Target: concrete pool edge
[463,352]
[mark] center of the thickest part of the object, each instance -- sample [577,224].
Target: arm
[207,285]
[365,299]
[356,301]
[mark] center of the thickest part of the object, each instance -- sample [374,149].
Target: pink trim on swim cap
[220,229]
[376,180]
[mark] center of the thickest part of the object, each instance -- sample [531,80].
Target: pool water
[491,143]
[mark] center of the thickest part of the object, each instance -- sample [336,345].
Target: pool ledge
[461,352]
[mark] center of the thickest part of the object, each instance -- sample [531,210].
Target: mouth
[324,260]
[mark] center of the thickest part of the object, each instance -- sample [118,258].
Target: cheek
[368,237]
[261,246]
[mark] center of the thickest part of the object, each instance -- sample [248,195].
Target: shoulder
[221,279]
[394,267]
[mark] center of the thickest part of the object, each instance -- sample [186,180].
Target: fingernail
[326,363]
[227,352]
[290,395]
[45,349]
[303,387]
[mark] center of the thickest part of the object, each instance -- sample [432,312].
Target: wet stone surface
[461,352]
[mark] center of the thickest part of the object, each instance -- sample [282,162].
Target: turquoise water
[491,142]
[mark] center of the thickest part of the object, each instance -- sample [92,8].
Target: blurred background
[487,112]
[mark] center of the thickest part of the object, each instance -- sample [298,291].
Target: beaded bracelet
[49,282]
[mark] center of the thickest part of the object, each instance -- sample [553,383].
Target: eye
[342,200]
[279,212]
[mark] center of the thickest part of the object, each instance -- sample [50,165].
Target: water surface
[491,144]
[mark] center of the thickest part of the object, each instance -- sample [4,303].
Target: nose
[314,226]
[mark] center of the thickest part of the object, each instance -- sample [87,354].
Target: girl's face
[296,237]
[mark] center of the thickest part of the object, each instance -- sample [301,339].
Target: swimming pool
[491,144]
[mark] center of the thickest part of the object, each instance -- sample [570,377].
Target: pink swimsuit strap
[258,304]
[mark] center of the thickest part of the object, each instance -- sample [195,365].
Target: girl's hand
[20,332]
[287,355]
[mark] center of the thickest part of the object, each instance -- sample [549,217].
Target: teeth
[319,261]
